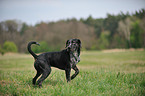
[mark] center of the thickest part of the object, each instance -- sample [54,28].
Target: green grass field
[101,73]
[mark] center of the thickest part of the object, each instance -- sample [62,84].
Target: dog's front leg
[76,72]
[67,72]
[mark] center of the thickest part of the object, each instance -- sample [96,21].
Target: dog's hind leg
[76,72]
[35,78]
[39,71]
[45,74]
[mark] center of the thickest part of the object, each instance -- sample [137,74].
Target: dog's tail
[29,48]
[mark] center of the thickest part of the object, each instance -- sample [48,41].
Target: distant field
[119,73]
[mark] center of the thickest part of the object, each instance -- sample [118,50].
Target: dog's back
[56,59]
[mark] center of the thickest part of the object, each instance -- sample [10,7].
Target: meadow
[113,73]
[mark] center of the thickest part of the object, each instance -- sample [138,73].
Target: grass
[101,73]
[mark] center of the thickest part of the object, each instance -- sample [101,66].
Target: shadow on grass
[54,82]
[45,83]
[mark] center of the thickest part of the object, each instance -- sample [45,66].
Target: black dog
[65,60]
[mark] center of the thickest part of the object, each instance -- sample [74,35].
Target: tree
[142,24]
[124,29]
[103,41]
[11,26]
[24,28]
[111,23]
[140,13]
[136,35]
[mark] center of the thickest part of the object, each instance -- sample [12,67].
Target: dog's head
[73,45]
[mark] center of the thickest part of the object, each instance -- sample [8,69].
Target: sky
[35,11]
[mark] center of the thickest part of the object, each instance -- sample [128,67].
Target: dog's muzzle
[72,47]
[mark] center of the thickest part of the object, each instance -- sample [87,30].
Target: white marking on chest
[74,58]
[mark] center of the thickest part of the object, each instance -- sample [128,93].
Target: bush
[42,48]
[10,47]
[104,41]
[2,50]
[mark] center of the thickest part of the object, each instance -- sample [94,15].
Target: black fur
[61,60]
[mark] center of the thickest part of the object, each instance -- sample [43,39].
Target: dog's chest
[74,58]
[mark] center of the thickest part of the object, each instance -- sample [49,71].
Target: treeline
[124,30]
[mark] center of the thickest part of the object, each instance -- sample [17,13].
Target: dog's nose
[75,44]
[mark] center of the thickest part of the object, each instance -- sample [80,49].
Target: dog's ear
[79,49]
[79,42]
[67,43]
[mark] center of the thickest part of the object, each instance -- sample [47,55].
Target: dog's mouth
[73,49]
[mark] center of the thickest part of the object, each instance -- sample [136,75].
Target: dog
[64,60]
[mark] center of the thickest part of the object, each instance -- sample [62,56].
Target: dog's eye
[69,43]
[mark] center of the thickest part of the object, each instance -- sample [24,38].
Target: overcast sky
[34,11]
